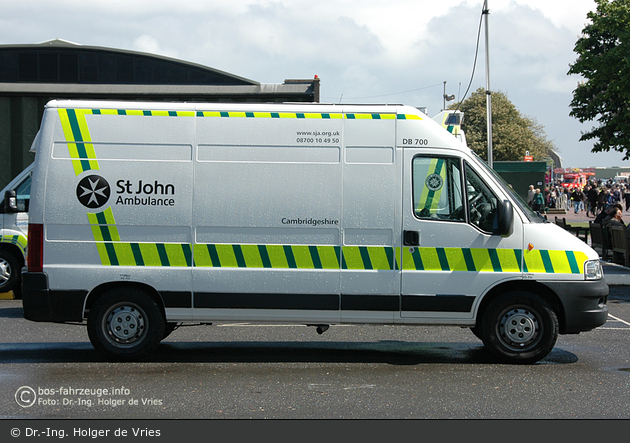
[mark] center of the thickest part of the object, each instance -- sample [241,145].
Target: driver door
[451,252]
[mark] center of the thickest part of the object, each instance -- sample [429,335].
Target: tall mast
[486,12]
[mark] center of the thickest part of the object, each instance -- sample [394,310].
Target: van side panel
[267,216]
[370,280]
[119,202]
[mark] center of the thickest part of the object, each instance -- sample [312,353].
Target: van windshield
[516,198]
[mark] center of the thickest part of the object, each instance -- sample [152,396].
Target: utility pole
[486,12]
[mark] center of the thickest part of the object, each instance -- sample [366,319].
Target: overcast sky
[394,51]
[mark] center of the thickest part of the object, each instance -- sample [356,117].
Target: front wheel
[520,327]
[9,273]
[125,324]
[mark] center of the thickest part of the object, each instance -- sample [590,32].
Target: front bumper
[583,303]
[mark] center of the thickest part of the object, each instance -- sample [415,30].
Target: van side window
[23,194]
[482,203]
[437,188]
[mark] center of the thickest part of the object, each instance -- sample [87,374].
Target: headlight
[593,270]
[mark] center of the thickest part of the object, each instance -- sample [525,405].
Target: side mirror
[10,202]
[506,218]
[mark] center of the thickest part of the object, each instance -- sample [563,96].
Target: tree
[512,133]
[604,61]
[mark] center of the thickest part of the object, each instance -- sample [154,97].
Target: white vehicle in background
[13,230]
[452,122]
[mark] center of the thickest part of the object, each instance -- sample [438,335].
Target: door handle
[411,238]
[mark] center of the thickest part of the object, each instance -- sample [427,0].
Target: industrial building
[31,75]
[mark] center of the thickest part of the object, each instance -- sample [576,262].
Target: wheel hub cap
[519,327]
[5,271]
[125,324]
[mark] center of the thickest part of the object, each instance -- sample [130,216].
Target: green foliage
[604,61]
[512,133]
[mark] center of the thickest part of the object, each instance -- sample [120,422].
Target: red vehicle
[574,180]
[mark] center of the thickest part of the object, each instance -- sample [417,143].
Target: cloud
[149,44]
[396,51]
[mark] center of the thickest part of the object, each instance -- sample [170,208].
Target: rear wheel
[125,324]
[476,330]
[519,327]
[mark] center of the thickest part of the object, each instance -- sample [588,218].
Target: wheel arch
[14,250]
[532,286]
[102,289]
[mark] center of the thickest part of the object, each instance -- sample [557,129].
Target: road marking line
[618,319]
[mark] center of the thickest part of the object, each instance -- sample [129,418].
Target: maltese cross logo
[434,182]
[93,191]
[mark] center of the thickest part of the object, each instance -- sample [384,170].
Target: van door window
[23,194]
[437,188]
[482,203]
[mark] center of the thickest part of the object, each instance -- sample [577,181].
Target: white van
[13,230]
[147,215]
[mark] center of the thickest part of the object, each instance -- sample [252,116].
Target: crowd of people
[604,201]
[592,199]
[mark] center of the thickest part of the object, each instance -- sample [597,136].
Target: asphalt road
[240,371]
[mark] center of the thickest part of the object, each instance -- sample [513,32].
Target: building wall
[19,121]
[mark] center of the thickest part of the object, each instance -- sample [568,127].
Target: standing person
[601,200]
[610,194]
[552,200]
[530,195]
[626,197]
[584,205]
[591,195]
[546,194]
[578,199]
[538,201]
[567,198]
[616,193]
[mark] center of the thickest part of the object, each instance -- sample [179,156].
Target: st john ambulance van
[144,216]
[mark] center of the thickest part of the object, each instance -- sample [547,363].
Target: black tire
[476,330]
[125,324]
[10,268]
[519,327]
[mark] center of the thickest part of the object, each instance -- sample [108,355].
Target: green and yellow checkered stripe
[491,260]
[294,256]
[114,252]
[79,141]
[267,256]
[17,240]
